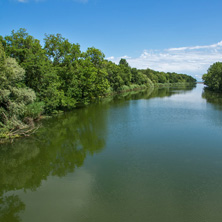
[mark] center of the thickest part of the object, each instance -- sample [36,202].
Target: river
[148,156]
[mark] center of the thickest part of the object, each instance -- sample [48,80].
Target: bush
[124,88]
[134,86]
[34,110]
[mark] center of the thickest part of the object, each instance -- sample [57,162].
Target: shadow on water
[158,92]
[170,91]
[213,98]
[10,207]
[59,148]
[214,101]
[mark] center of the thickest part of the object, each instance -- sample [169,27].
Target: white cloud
[111,58]
[190,60]
[126,57]
[197,47]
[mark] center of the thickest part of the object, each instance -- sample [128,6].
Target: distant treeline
[59,76]
[169,77]
[213,77]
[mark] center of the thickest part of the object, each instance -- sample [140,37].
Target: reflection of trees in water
[169,91]
[133,95]
[156,92]
[213,98]
[10,207]
[57,149]
[148,93]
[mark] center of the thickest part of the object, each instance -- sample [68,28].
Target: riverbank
[49,80]
[32,126]
[92,159]
[173,84]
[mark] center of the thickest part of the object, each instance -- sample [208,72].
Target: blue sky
[175,35]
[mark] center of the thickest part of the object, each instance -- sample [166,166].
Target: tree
[31,57]
[14,95]
[20,45]
[113,76]
[60,51]
[95,56]
[213,78]
[125,71]
[92,81]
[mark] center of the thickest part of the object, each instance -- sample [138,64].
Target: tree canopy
[58,76]
[213,78]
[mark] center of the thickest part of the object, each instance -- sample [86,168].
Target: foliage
[14,95]
[213,78]
[57,77]
[125,72]
[34,110]
[162,77]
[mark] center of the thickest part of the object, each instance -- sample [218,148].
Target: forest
[58,76]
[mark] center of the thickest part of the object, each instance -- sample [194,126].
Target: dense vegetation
[59,76]
[213,78]
[169,77]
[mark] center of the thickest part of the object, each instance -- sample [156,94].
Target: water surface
[151,156]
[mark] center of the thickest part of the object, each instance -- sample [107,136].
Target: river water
[148,156]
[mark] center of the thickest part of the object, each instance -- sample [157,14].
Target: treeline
[213,77]
[36,79]
[169,77]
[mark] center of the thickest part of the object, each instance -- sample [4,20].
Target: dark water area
[147,156]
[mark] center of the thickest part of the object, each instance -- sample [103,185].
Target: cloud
[197,47]
[193,60]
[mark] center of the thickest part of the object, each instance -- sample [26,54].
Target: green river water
[141,157]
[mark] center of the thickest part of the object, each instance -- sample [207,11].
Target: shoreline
[10,136]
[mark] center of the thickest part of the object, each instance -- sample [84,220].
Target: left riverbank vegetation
[58,76]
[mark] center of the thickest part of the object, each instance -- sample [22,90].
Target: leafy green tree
[20,45]
[161,77]
[114,78]
[213,78]
[60,51]
[151,75]
[95,56]
[39,72]
[138,77]
[125,71]
[92,81]
[64,57]
[14,95]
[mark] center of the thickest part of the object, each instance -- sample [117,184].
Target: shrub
[34,110]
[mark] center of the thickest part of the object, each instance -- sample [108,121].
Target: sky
[184,36]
